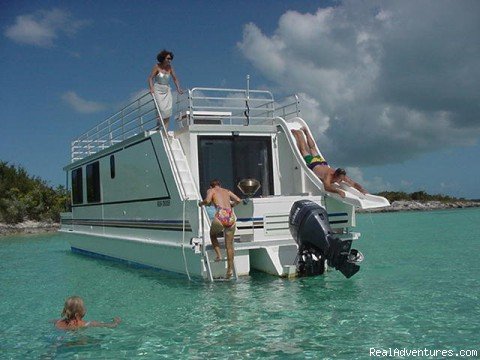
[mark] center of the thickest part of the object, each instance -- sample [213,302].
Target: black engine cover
[311,230]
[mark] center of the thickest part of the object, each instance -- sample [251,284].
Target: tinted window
[77,188]
[231,159]
[112,166]
[93,182]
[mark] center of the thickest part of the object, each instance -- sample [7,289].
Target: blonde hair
[73,307]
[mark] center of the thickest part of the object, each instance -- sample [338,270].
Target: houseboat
[135,188]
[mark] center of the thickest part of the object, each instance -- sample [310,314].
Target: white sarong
[163,96]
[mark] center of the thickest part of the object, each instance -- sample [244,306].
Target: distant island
[29,205]
[421,201]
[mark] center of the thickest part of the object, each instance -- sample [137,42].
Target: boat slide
[352,195]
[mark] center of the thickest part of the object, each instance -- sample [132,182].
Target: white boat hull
[185,258]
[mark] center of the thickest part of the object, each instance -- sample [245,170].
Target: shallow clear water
[418,288]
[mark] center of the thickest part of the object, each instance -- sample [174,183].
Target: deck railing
[136,117]
[288,108]
[225,106]
[195,106]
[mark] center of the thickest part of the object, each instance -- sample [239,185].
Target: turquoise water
[418,288]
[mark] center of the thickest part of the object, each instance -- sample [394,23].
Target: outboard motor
[311,230]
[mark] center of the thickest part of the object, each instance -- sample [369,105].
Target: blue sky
[390,89]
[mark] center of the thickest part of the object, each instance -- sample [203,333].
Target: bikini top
[162,78]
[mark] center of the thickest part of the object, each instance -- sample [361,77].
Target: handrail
[204,250]
[225,105]
[136,117]
[285,112]
[183,242]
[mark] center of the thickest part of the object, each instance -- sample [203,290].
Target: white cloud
[385,81]
[82,105]
[383,15]
[43,27]
[262,51]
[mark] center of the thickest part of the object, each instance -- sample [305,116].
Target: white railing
[288,108]
[133,119]
[225,107]
[195,106]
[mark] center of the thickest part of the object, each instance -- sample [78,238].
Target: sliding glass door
[233,158]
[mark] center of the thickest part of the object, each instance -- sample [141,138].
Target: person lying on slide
[320,167]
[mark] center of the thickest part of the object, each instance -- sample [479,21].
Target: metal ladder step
[208,263]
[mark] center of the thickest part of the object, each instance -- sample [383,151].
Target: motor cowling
[317,243]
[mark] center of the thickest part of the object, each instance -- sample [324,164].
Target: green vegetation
[23,197]
[417,196]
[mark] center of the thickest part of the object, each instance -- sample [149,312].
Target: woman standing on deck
[158,82]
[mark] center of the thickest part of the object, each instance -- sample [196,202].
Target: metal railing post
[123,125]
[140,116]
[190,107]
[297,102]
[202,216]
[97,146]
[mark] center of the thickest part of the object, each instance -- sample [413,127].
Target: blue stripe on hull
[167,225]
[129,263]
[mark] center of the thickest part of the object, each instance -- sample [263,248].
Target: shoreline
[27,228]
[36,227]
[411,205]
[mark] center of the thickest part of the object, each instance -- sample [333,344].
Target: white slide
[352,195]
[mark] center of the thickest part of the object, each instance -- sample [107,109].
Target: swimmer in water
[73,312]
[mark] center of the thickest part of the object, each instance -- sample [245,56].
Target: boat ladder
[184,173]
[214,277]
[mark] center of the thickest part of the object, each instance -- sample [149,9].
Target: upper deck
[196,106]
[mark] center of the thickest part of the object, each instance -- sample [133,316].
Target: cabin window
[93,182]
[77,186]
[233,158]
[112,166]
